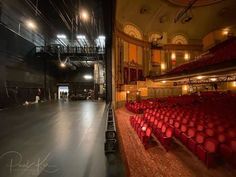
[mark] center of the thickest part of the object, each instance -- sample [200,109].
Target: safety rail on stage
[110,144]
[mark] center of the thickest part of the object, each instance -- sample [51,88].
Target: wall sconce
[173,56]
[213,79]
[234,84]
[225,32]
[186,56]
[199,77]
[163,66]
[185,87]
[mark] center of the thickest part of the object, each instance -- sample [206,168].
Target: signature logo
[14,161]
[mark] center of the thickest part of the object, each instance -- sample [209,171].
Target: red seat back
[210,132]
[200,138]
[183,128]
[211,145]
[177,124]
[148,132]
[221,138]
[159,125]
[191,132]
[200,127]
[169,132]
[163,128]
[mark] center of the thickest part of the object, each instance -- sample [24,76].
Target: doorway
[63,92]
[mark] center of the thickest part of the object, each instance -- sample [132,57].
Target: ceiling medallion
[197,3]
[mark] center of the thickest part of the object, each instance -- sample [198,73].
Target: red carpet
[155,161]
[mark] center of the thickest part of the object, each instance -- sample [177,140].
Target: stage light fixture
[31,24]
[88,77]
[84,15]
[61,36]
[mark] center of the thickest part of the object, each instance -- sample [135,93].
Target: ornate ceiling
[157,16]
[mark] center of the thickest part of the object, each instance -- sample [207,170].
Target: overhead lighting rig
[184,12]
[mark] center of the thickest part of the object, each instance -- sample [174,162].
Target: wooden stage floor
[60,139]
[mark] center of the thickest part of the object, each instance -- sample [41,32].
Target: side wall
[22,75]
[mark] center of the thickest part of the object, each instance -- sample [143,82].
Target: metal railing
[54,49]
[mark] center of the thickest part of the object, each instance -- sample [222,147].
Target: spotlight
[84,15]
[128,92]
[30,24]
[101,37]
[61,36]
[62,65]
[163,82]
[81,37]
[88,77]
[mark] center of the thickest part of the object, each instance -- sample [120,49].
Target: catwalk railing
[69,50]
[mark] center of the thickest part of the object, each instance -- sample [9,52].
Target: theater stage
[155,161]
[60,139]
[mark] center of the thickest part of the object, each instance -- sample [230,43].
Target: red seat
[166,136]
[210,132]
[207,152]
[157,131]
[137,124]
[145,136]
[151,121]
[198,139]
[221,138]
[134,120]
[228,152]
[231,133]
[187,135]
[177,129]
[142,128]
[200,127]
[220,129]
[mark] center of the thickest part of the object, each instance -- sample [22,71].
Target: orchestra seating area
[204,124]
[222,53]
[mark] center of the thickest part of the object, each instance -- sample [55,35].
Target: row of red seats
[143,130]
[201,139]
[207,134]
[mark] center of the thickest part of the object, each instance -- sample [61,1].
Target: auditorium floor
[60,139]
[156,162]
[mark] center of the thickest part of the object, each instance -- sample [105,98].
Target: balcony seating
[217,55]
